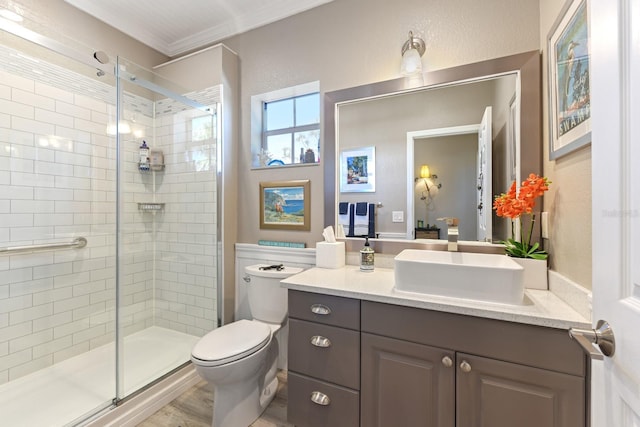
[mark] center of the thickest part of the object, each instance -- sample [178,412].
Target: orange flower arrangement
[514,204]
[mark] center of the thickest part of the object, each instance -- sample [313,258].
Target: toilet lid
[283,273]
[231,342]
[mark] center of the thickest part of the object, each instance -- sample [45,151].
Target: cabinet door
[405,384]
[501,394]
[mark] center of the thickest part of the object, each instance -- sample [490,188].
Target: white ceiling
[176,26]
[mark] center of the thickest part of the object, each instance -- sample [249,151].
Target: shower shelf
[150,168]
[150,207]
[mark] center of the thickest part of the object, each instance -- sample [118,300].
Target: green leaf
[517,249]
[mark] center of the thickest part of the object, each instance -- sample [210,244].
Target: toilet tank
[267,300]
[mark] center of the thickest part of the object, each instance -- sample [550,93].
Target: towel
[343,215]
[361,219]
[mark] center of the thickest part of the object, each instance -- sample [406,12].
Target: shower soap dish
[150,207]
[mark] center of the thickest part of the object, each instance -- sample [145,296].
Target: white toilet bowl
[240,359]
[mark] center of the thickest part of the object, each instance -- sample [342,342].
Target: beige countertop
[540,307]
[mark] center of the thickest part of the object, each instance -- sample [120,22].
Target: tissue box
[330,255]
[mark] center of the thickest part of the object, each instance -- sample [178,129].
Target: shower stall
[109,254]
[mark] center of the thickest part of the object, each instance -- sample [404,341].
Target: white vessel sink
[485,277]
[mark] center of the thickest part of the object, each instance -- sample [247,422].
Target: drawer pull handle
[320,341]
[320,309]
[465,366]
[320,398]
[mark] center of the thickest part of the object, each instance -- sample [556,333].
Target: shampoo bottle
[366,256]
[143,163]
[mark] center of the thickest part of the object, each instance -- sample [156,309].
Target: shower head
[101,57]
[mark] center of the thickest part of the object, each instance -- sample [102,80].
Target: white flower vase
[535,272]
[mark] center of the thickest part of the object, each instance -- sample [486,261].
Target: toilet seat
[231,342]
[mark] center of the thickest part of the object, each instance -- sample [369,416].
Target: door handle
[602,336]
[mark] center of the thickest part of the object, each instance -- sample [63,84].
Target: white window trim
[256,114]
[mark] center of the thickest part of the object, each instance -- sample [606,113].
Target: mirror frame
[527,65]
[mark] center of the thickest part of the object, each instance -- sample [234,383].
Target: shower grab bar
[77,243]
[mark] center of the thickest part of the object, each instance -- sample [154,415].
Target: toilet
[240,359]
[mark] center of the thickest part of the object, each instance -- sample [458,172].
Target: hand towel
[361,219]
[343,215]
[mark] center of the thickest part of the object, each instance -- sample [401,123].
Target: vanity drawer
[326,309]
[340,409]
[326,352]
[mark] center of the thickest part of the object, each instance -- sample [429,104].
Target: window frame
[259,133]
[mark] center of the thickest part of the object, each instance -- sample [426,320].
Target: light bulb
[411,62]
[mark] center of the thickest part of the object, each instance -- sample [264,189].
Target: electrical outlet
[544,224]
[397,216]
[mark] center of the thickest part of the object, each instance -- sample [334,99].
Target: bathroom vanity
[363,354]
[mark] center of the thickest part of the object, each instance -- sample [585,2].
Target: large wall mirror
[476,126]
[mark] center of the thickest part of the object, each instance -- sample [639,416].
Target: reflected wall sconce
[425,172]
[428,178]
[412,51]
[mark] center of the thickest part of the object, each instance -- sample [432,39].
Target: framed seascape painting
[285,205]
[358,170]
[569,94]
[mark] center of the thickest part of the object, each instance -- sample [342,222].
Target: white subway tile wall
[58,181]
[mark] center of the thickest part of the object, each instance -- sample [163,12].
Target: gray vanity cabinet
[505,374]
[390,365]
[324,361]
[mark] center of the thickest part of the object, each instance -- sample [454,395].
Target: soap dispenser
[366,256]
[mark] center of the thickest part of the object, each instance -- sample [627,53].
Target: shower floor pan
[69,390]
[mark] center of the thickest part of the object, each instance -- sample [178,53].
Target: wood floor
[194,409]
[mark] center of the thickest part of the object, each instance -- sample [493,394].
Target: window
[289,128]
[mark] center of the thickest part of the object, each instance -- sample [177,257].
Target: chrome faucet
[452,233]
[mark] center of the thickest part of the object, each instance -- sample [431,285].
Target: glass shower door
[57,187]
[167,224]
[85,325]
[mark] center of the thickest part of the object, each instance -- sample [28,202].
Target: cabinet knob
[320,398]
[447,362]
[465,366]
[320,341]
[320,309]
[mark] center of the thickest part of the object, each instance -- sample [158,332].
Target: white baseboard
[139,408]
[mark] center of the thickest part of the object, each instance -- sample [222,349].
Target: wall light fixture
[428,178]
[412,51]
